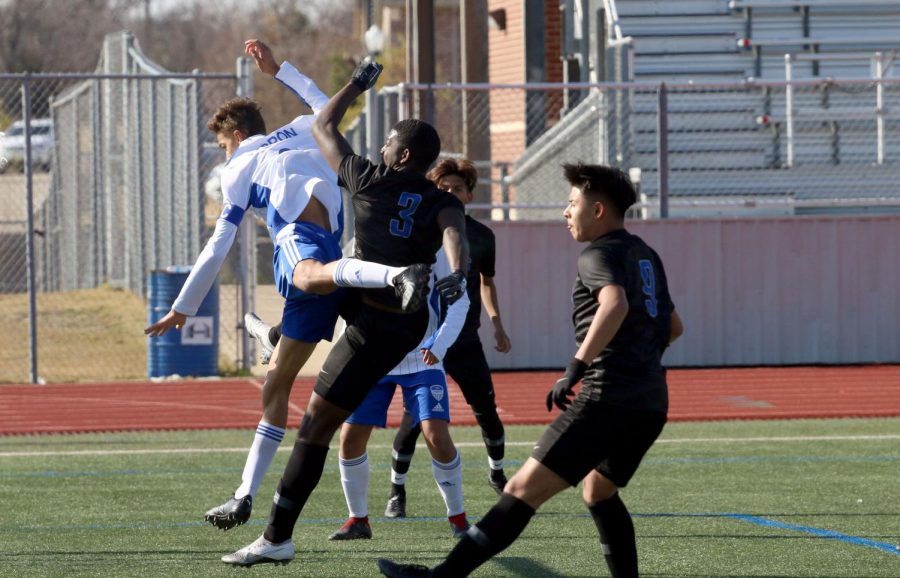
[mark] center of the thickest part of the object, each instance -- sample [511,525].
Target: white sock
[449,481]
[495,464]
[356,273]
[355,480]
[265,443]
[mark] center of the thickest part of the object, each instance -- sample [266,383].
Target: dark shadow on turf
[528,567]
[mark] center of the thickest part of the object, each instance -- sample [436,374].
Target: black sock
[494,533]
[274,334]
[404,445]
[616,536]
[492,433]
[301,475]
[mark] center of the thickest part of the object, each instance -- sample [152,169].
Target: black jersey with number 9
[628,371]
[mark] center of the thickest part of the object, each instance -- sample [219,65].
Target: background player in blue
[285,174]
[465,361]
[401,218]
[423,385]
[624,320]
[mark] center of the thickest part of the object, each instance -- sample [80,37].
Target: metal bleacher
[808,144]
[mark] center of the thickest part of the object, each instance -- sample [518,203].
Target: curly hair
[462,168]
[243,114]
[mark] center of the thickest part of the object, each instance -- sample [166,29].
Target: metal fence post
[662,150]
[247,263]
[879,106]
[29,235]
[789,108]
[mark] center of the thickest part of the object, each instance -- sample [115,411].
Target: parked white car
[13,143]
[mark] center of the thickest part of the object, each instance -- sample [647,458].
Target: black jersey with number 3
[628,371]
[395,215]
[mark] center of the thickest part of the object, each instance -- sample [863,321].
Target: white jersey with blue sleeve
[279,172]
[439,335]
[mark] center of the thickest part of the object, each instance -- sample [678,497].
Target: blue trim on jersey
[259,196]
[434,301]
[232,213]
[303,100]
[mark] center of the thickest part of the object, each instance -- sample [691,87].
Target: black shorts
[592,435]
[466,364]
[373,344]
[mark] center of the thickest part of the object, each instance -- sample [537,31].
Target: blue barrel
[193,349]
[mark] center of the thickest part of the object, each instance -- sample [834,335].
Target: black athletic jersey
[628,371]
[482,248]
[395,216]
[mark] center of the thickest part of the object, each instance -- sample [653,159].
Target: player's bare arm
[613,307]
[677,327]
[331,142]
[262,56]
[492,307]
[452,222]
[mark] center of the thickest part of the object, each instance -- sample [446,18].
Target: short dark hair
[243,114]
[603,181]
[462,168]
[421,139]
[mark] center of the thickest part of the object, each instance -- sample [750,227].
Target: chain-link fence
[121,162]
[726,149]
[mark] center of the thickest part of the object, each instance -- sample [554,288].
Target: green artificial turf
[746,499]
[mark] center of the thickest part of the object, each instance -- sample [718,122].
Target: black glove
[366,74]
[452,287]
[562,389]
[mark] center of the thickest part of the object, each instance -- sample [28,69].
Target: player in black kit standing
[465,361]
[401,217]
[624,320]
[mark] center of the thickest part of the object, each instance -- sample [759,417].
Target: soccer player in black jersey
[624,320]
[400,217]
[465,361]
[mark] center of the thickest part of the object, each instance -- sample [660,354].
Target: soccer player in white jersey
[423,384]
[283,173]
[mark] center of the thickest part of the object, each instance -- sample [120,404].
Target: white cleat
[258,329]
[262,552]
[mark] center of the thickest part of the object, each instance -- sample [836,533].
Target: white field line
[288,447]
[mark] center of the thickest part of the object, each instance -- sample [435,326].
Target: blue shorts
[424,395]
[307,317]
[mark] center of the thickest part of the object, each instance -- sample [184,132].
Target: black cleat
[396,506]
[353,529]
[394,570]
[497,480]
[411,286]
[232,513]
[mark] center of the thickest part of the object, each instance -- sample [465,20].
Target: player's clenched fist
[452,287]
[562,389]
[366,74]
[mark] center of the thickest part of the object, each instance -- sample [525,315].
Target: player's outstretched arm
[332,143]
[262,56]
[170,320]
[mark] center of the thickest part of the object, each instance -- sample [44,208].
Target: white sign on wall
[197,331]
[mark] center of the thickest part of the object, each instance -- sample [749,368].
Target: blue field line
[760,521]
[829,534]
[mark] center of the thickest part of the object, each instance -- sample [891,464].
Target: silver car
[12,146]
